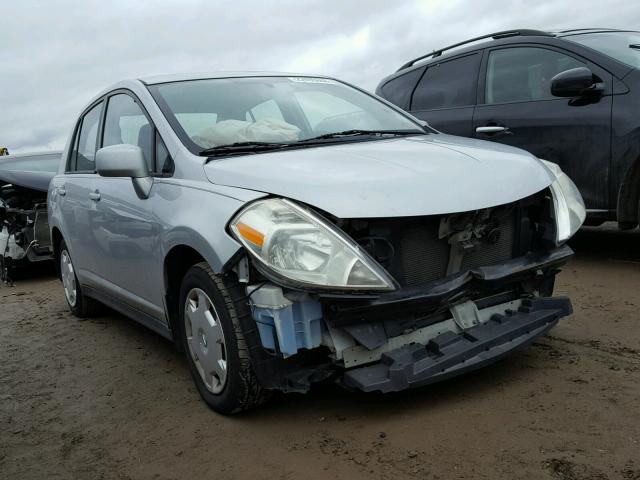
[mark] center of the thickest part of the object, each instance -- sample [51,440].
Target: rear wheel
[80,305]
[216,349]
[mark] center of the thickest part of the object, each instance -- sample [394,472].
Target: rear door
[74,195]
[516,107]
[445,95]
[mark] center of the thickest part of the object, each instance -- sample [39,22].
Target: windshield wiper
[358,132]
[254,146]
[242,147]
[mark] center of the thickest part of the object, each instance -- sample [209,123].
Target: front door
[517,108]
[126,230]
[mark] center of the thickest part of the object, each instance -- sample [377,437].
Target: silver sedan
[288,229]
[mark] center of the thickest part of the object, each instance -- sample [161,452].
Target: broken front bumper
[451,354]
[407,338]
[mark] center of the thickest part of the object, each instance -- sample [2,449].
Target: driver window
[523,74]
[125,122]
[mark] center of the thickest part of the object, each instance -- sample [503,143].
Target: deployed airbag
[228,132]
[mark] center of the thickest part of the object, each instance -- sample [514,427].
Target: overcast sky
[56,54]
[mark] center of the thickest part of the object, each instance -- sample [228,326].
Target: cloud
[57,54]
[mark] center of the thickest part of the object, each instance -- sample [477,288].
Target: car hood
[409,176]
[27,179]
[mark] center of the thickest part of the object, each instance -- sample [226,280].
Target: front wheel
[216,349]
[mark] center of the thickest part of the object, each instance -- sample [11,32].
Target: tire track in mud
[611,353]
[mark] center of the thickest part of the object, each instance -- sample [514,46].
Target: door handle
[95,196]
[62,191]
[491,129]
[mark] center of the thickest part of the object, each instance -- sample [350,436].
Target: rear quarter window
[83,154]
[398,90]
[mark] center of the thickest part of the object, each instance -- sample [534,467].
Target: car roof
[580,31]
[142,82]
[481,42]
[180,77]
[502,38]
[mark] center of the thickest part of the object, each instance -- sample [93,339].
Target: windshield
[217,112]
[623,46]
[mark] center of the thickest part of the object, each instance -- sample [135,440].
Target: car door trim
[129,311]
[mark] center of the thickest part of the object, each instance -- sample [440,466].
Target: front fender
[197,218]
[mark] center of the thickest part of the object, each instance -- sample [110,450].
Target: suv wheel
[79,305]
[217,352]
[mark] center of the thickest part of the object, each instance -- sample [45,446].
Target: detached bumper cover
[451,354]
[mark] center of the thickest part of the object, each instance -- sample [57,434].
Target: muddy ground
[105,398]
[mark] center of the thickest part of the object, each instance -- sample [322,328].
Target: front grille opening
[420,250]
[423,257]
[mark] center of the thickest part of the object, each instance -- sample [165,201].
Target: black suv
[570,97]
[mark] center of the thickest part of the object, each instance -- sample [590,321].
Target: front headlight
[305,250]
[568,204]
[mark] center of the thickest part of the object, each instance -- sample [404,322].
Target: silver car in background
[24,231]
[287,229]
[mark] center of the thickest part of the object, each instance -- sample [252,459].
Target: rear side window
[448,84]
[84,152]
[398,91]
[523,74]
[126,123]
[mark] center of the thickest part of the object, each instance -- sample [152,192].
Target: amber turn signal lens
[250,234]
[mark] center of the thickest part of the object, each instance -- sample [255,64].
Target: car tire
[216,349]
[79,304]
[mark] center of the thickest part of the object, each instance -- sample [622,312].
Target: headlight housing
[303,250]
[568,204]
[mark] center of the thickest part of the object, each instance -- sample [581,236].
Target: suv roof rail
[603,29]
[495,36]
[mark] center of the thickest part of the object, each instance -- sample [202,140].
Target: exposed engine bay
[24,228]
[466,284]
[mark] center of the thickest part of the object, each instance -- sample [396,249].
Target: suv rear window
[448,84]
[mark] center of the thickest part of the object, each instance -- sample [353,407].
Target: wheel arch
[56,241]
[179,258]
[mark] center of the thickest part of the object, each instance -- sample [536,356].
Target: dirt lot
[105,398]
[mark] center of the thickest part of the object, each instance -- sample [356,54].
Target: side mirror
[125,161]
[575,83]
[121,161]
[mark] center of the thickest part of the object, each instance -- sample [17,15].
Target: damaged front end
[24,228]
[421,299]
